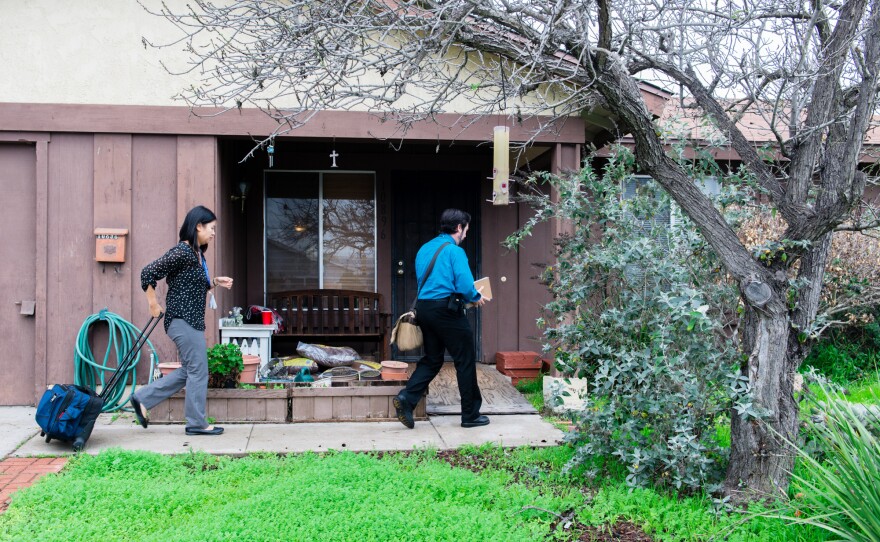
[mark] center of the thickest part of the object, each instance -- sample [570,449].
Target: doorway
[418,199]
[18,272]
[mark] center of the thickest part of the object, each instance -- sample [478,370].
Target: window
[666,217]
[320,231]
[661,221]
[708,185]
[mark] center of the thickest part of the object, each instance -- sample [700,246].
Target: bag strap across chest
[427,274]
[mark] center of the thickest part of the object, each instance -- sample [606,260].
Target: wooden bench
[318,315]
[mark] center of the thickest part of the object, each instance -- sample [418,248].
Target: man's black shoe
[404,411]
[477,422]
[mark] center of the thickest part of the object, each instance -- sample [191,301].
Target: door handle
[27,307]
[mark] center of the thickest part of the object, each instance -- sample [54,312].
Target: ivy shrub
[643,311]
[225,363]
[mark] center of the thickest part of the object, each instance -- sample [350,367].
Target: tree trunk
[761,456]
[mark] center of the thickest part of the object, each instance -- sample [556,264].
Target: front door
[18,273]
[418,199]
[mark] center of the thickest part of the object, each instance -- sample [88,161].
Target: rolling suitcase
[68,412]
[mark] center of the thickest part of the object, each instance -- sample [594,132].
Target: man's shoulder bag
[406,334]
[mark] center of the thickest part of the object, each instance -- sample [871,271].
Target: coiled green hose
[89,373]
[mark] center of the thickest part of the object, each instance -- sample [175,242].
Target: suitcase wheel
[79,444]
[42,433]
[48,439]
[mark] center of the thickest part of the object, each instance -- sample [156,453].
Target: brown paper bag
[406,334]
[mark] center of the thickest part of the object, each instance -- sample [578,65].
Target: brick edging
[20,472]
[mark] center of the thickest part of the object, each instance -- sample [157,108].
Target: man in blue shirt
[440,311]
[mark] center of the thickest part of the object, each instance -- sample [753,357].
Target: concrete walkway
[19,436]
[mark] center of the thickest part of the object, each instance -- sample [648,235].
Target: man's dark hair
[451,219]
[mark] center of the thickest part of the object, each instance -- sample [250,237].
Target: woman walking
[185,270]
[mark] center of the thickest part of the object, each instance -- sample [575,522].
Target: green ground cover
[483,494]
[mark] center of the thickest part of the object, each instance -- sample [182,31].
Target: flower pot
[394,370]
[251,364]
[168,368]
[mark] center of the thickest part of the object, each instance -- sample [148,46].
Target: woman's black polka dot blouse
[187,285]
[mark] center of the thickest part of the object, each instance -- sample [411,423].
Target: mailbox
[110,245]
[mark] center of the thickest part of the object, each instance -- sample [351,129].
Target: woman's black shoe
[199,431]
[138,413]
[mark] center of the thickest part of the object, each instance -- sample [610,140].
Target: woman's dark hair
[197,215]
[451,219]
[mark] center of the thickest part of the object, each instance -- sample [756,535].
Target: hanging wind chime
[270,150]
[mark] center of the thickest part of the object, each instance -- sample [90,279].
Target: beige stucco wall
[91,52]
[82,51]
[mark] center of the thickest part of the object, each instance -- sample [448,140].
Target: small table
[254,334]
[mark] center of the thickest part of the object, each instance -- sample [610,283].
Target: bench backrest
[329,312]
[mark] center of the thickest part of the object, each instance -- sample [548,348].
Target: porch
[142,168]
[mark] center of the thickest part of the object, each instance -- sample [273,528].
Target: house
[90,137]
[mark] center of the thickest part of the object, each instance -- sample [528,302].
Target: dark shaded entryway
[418,199]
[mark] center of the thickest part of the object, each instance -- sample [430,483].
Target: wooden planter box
[355,401]
[365,401]
[232,405]
[517,360]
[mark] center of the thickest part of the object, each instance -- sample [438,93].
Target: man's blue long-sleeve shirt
[451,274]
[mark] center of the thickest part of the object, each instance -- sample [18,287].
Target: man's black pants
[446,329]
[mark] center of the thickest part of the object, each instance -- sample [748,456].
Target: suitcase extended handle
[130,356]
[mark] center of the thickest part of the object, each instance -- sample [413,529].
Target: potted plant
[225,363]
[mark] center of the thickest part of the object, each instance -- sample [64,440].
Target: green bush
[638,309]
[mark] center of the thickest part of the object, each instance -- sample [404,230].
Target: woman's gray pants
[193,374]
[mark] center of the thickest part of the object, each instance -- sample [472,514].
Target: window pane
[349,231]
[291,231]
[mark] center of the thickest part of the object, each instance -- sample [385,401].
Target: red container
[517,360]
[267,318]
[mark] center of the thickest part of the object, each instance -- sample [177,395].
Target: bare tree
[809,68]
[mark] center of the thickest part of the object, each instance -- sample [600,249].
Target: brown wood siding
[71,248]
[147,182]
[142,183]
[145,119]
[197,185]
[112,209]
[154,227]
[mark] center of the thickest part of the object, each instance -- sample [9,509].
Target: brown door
[418,199]
[17,273]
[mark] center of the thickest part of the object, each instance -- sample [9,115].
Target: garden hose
[88,372]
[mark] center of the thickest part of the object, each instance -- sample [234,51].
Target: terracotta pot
[386,375]
[168,368]
[251,364]
[394,366]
